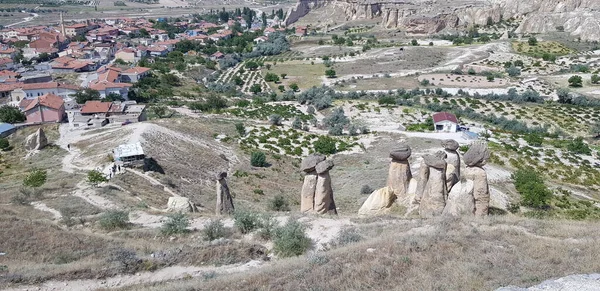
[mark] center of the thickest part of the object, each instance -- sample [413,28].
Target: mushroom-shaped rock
[477,155]
[450,144]
[310,162]
[324,166]
[401,152]
[435,161]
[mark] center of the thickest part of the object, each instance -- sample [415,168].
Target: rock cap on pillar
[401,153]
[477,155]
[221,176]
[310,162]
[436,160]
[324,166]
[450,144]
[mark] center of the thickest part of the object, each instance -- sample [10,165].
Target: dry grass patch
[445,254]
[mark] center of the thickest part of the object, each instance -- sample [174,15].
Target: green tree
[414,42]
[297,124]
[258,159]
[95,177]
[255,89]
[532,41]
[4,144]
[575,81]
[35,178]
[275,119]
[294,87]
[532,189]
[578,146]
[87,94]
[271,77]
[513,71]
[251,65]
[564,96]
[330,73]
[11,114]
[595,79]
[281,88]
[283,75]
[595,129]
[238,81]
[490,78]
[291,239]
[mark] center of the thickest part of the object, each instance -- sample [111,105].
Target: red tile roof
[95,107]
[48,100]
[443,116]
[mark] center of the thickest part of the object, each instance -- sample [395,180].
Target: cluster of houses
[89,50]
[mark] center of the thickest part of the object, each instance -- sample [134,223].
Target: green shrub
[245,220]
[278,203]
[366,189]
[241,130]
[214,230]
[4,144]
[290,239]
[325,145]
[114,219]
[258,159]
[347,236]
[268,224]
[176,223]
[577,146]
[532,189]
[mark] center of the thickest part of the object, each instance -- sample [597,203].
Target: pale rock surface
[585,282]
[36,141]
[435,193]
[309,187]
[378,202]
[180,204]
[324,195]
[460,200]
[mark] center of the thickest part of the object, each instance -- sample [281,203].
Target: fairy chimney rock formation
[323,202]
[399,174]
[434,193]
[307,197]
[475,158]
[378,202]
[224,199]
[453,163]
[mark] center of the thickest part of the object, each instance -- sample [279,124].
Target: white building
[445,122]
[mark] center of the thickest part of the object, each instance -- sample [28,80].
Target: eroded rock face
[453,163]
[433,199]
[578,17]
[36,141]
[180,204]
[399,174]
[224,199]
[317,194]
[460,200]
[378,202]
[477,155]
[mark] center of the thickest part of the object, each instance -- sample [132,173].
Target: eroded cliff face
[578,17]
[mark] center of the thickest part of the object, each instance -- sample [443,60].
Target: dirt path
[153,181]
[84,192]
[43,207]
[169,273]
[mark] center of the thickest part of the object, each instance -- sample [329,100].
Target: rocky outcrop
[399,174]
[317,194]
[36,141]
[378,202]
[472,194]
[180,204]
[224,199]
[453,163]
[434,194]
[578,17]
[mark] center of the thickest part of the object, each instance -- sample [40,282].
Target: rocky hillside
[579,17]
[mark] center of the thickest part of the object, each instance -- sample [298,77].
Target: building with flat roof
[129,154]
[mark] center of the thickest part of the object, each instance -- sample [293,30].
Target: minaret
[62,25]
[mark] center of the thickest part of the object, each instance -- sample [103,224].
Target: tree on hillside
[513,71]
[294,87]
[11,114]
[575,81]
[595,79]
[87,94]
[414,42]
[595,129]
[330,73]
[532,189]
[94,178]
[271,77]
[255,89]
[251,65]
[532,41]
[564,96]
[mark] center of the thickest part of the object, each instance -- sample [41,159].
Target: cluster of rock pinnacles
[440,187]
